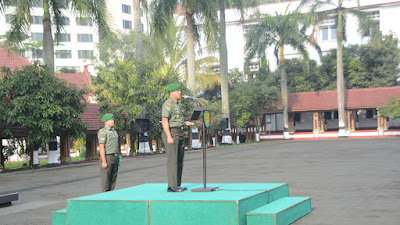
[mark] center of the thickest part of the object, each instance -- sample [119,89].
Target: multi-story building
[78,40]
[384,12]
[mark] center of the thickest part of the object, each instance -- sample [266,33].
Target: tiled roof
[81,80]
[11,59]
[366,98]
[90,117]
[78,79]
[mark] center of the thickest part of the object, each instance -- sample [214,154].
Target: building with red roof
[12,60]
[317,112]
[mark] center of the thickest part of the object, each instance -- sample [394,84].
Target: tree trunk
[138,31]
[340,78]
[223,57]
[190,54]
[48,42]
[284,95]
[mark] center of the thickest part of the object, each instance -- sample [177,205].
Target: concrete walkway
[350,181]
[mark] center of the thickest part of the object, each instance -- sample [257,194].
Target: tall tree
[204,10]
[138,30]
[41,103]
[336,9]
[53,16]
[279,31]
[223,50]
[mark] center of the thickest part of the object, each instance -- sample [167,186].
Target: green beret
[107,117]
[173,87]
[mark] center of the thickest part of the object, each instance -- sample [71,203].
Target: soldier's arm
[103,156]
[101,136]
[165,125]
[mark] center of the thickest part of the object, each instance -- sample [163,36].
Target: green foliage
[120,92]
[302,76]
[391,109]
[375,64]
[68,70]
[250,98]
[46,106]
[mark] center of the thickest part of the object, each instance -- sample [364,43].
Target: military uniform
[109,137]
[172,110]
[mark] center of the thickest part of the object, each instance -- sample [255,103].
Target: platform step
[59,217]
[281,212]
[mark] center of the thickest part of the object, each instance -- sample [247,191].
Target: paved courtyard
[350,181]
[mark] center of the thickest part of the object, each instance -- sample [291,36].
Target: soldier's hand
[104,165]
[187,123]
[170,140]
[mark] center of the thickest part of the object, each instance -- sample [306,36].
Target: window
[370,113]
[36,19]
[126,9]
[37,53]
[327,115]
[9,17]
[37,3]
[63,54]
[64,37]
[127,24]
[375,17]
[217,69]
[85,54]
[336,115]
[37,36]
[84,21]
[329,29]
[85,37]
[67,22]
[141,12]
[253,67]
[297,117]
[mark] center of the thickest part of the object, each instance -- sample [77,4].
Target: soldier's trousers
[109,174]
[175,154]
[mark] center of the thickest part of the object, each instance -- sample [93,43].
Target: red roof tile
[12,60]
[90,116]
[78,79]
[366,98]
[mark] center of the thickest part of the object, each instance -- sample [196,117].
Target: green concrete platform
[151,204]
[59,217]
[281,212]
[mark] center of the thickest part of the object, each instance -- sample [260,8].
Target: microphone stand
[200,110]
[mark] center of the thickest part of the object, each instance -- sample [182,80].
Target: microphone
[189,97]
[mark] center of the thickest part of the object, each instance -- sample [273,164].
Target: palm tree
[223,51]
[162,11]
[171,48]
[336,9]
[279,31]
[52,15]
[138,31]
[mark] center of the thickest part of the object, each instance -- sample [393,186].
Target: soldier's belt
[177,128]
[115,154]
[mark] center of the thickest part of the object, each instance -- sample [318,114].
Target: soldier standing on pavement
[109,153]
[173,137]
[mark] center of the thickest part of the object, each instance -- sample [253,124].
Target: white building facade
[384,12]
[80,35]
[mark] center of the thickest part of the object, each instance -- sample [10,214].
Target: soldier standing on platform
[109,153]
[173,137]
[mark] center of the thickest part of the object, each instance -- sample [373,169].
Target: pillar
[65,150]
[321,122]
[91,146]
[1,156]
[291,122]
[350,124]
[316,123]
[382,124]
